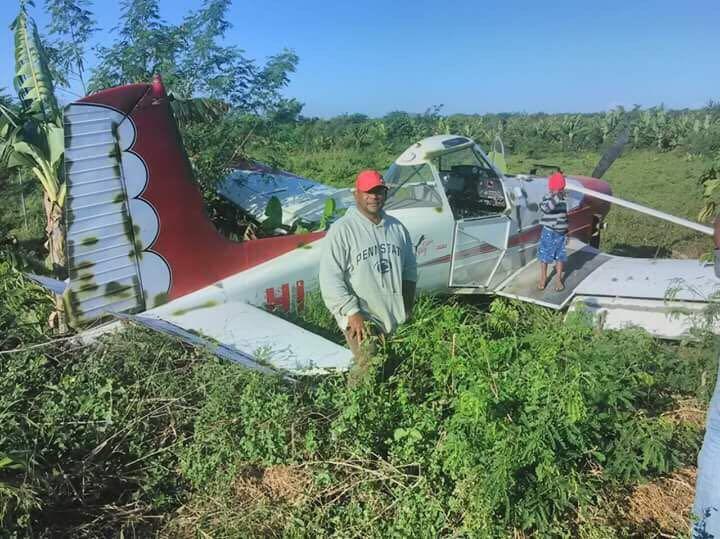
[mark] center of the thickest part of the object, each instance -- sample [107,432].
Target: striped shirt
[554,213]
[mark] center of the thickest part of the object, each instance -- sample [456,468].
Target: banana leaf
[55,137]
[8,116]
[33,80]
[42,168]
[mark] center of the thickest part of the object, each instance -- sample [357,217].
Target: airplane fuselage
[462,246]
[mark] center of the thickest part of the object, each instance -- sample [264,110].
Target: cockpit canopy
[470,183]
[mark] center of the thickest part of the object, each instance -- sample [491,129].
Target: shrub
[477,422]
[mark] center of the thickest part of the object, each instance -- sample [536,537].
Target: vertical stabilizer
[137,232]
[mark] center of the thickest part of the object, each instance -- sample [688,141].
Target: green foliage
[31,139]
[273,212]
[72,25]
[329,213]
[475,423]
[33,81]
[24,309]
[146,46]
[710,181]
[537,135]
[190,58]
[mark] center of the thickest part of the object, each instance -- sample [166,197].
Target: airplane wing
[252,185]
[582,262]
[649,293]
[621,291]
[249,335]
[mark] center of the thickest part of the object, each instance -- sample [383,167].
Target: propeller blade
[612,153]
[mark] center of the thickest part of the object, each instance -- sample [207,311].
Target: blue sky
[378,56]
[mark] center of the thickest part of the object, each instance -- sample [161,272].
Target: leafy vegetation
[476,422]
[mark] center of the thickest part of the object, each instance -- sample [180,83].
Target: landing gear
[597,226]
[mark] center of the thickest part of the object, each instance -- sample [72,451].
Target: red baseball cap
[556,182]
[369,179]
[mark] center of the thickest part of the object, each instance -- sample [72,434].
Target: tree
[145,46]
[32,137]
[190,58]
[72,25]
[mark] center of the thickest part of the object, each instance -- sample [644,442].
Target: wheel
[595,233]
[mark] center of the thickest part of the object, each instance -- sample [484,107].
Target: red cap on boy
[556,182]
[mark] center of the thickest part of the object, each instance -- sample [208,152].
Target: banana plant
[32,137]
[710,181]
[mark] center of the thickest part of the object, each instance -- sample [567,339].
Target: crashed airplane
[141,247]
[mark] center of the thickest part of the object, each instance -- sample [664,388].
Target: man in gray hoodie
[368,269]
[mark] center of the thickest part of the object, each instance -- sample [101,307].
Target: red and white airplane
[140,245]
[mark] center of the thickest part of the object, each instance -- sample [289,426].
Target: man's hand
[356,327]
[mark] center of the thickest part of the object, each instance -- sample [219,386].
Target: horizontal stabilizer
[648,278]
[667,298]
[162,326]
[250,336]
[300,198]
[54,285]
[660,318]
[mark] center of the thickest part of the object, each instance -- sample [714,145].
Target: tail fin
[137,232]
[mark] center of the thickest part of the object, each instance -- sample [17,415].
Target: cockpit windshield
[411,186]
[472,186]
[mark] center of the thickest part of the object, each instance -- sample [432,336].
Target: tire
[595,234]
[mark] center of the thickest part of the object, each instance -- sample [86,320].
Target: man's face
[371,202]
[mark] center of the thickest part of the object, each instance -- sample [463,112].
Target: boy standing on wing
[554,221]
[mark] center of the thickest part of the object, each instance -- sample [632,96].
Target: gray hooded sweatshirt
[362,269]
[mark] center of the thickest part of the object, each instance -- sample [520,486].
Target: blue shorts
[552,247]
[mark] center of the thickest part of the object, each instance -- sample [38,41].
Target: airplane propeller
[612,153]
[606,160]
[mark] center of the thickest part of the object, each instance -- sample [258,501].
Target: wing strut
[642,209]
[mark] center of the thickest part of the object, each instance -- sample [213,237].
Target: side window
[411,186]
